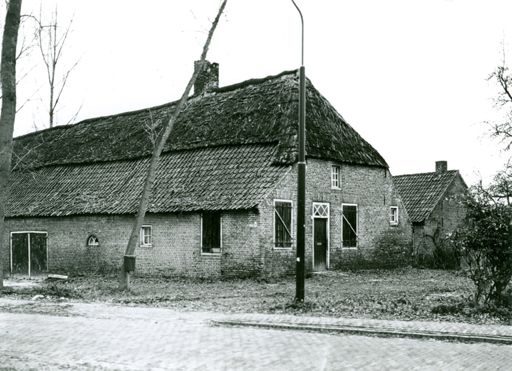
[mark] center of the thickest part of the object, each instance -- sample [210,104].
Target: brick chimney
[441,166]
[207,78]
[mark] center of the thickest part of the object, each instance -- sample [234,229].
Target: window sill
[336,188]
[146,246]
[211,253]
[349,248]
[282,248]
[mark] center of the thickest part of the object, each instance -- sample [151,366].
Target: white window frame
[393,221]
[96,244]
[142,236]
[274,225]
[29,262]
[335,177]
[356,231]
[221,242]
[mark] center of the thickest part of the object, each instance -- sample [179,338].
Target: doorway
[320,236]
[29,253]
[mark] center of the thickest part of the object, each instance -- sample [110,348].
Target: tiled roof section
[420,193]
[252,112]
[221,178]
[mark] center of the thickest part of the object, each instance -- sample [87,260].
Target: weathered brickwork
[370,188]
[175,249]
[448,214]
[247,236]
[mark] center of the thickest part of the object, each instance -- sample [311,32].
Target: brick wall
[176,247]
[247,236]
[444,219]
[371,188]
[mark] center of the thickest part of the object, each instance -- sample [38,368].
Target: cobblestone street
[100,336]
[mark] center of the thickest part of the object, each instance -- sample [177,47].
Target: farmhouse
[431,202]
[224,201]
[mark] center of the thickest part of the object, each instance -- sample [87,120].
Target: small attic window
[92,241]
[393,215]
[335,177]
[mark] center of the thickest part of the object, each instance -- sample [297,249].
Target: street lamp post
[301,180]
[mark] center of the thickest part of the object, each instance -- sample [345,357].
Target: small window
[92,241]
[393,215]
[146,238]
[282,224]
[211,233]
[349,225]
[320,210]
[335,177]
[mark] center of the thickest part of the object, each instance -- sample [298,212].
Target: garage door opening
[29,253]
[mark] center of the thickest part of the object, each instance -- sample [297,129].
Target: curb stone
[370,331]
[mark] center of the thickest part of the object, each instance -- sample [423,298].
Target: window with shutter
[349,225]
[282,224]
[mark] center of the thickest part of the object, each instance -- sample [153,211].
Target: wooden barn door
[29,253]
[38,253]
[19,253]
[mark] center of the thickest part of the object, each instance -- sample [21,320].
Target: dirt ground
[386,294]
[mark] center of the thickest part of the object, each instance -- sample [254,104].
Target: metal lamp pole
[301,181]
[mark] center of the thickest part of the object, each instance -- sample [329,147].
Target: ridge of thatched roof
[256,111]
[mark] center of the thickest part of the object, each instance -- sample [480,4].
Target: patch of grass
[407,293]
[4,291]
[57,290]
[448,308]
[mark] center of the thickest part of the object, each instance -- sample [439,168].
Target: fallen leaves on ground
[406,294]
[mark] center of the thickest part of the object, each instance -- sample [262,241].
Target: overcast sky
[409,75]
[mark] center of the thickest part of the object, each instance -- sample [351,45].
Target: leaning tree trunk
[124,281]
[8,112]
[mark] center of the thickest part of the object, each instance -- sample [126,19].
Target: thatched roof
[255,111]
[422,192]
[228,149]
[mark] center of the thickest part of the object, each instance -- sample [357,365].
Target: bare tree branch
[51,44]
[124,281]
[503,130]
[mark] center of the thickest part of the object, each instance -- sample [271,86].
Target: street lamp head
[302,38]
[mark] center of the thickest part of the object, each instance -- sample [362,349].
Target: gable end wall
[444,219]
[371,188]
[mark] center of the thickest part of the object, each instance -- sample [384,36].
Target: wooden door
[19,253]
[38,253]
[320,244]
[28,253]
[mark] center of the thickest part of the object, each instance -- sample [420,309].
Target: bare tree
[24,48]
[124,281]
[51,40]
[503,129]
[8,112]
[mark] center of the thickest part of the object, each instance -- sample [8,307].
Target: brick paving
[46,335]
